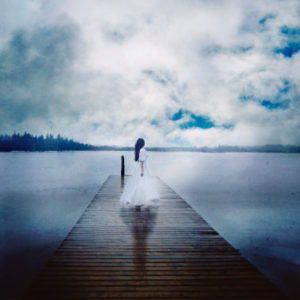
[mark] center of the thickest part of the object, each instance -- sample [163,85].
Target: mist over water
[251,199]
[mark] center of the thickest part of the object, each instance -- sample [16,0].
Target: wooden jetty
[167,252]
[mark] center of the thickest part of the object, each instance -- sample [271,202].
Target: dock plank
[164,252]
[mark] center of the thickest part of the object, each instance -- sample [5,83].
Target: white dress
[140,190]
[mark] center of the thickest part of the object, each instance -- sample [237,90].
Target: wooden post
[122,166]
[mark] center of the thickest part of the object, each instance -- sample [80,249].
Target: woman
[140,190]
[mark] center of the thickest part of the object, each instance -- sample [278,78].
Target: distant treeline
[221,149]
[28,142]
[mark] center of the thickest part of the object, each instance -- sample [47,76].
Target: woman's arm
[142,168]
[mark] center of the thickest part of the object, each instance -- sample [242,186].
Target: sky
[176,73]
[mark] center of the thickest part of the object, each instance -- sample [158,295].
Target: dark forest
[28,142]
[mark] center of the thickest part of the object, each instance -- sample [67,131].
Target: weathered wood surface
[168,252]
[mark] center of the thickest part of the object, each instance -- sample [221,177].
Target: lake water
[251,199]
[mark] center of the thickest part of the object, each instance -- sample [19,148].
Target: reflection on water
[122,181]
[140,224]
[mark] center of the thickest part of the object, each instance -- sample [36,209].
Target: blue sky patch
[275,105]
[194,120]
[197,121]
[264,20]
[291,41]
[177,116]
[289,31]
[289,50]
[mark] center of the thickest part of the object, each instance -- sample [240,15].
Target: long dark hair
[140,143]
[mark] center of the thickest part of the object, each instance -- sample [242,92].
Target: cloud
[278,99]
[33,68]
[174,72]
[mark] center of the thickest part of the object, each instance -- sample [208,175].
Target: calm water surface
[251,199]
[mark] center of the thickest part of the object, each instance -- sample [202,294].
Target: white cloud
[203,56]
